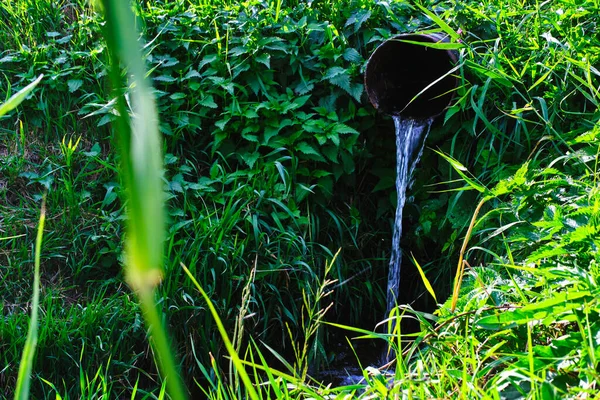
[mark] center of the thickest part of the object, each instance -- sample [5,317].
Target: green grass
[269,159]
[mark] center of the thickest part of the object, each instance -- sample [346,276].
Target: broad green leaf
[343,128]
[208,101]
[250,158]
[74,84]
[307,148]
[552,308]
[351,55]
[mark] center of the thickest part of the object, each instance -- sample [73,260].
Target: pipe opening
[397,71]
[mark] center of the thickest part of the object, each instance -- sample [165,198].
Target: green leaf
[439,45]
[26,364]
[250,158]
[265,59]
[164,78]
[18,97]
[319,173]
[342,81]
[208,101]
[441,23]
[177,96]
[314,126]
[460,169]
[307,149]
[547,252]
[331,152]
[424,278]
[326,185]
[353,56]
[74,84]
[343,128]
[221,123]
[192,74]
[333,72]
[551,309]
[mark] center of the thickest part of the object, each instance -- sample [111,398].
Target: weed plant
[272,161]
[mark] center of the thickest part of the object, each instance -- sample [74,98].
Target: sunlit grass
[26,365]
[271,160]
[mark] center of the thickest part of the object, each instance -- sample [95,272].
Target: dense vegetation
[273,161]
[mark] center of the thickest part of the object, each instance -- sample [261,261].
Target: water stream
[410,139]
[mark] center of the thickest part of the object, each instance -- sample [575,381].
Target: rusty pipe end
[398,71]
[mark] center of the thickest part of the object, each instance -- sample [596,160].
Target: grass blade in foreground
[18,97]
[141,170]
[24,377]
[232,353]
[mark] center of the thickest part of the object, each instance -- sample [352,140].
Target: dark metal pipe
[398,72]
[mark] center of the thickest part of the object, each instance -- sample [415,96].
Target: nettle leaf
[176,184]
[333,72]
[274,128]
[353,56]
[249,133]
[331,152]
[547,252]
[319,173]
[208,101]
[334,137]
[238,51]
[340,78]
[265,59]
[304,87]
[314,126]
[250,158]
[192,74]
[250,114]
[358,18]
[221,123]
[307,149]
[278,45]
[74,84]
[164,78]
[209,59]
[347,162]
[356,91]
[300,101]
[177,96]
[343,128]
[582,233]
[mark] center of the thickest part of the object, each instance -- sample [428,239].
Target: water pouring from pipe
[413,82]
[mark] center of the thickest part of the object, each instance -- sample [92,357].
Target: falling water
[410,138]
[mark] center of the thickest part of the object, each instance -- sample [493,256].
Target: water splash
[410,139]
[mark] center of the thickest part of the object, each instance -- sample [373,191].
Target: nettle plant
[247,85]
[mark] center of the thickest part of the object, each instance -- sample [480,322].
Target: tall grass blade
[24,377]
[239,366]
[141,170]
[18,97]
[424,277]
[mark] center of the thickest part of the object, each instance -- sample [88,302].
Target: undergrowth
[272,161]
